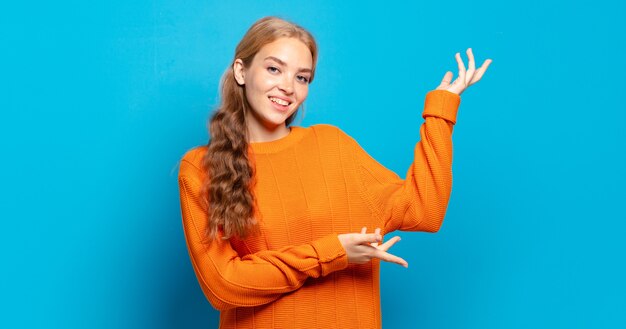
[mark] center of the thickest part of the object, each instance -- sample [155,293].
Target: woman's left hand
[467,77]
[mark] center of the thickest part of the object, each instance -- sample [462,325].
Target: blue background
[99,100]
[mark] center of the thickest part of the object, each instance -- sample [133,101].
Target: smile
[279,101]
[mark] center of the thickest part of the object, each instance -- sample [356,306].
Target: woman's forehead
[287,51]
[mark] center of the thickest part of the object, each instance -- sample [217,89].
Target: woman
[276,216]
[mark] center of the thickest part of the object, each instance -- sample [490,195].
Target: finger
[479,73]
[470,56]
[376,231]
[461,77]
[385,246]
[445,82]
[364,230]
[368,238]
[471,68]
[387,257]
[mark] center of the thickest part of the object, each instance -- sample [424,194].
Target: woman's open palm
[363,247]
[467,77]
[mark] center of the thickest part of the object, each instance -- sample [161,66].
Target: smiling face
[276,83]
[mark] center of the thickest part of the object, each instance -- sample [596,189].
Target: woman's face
[276,83]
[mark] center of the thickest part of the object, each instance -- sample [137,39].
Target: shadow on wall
[181,302]
[187,307]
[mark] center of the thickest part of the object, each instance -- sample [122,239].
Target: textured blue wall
[99,100]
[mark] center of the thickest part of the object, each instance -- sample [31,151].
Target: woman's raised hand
[467,77]
[363,247]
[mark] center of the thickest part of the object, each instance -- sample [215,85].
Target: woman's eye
[272,69]
[302,78]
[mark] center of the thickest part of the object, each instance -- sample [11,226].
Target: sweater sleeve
[419,202]
[230,280]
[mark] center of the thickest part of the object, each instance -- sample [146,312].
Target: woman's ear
[238,71]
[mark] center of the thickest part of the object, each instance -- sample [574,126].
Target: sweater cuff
[442,104]
[331,254]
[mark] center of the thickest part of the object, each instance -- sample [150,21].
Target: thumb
[445,82]
[385,246]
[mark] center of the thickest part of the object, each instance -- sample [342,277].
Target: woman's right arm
[229,280]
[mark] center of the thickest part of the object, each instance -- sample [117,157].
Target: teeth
[279,101]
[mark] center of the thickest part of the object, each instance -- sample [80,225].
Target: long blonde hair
[230,175]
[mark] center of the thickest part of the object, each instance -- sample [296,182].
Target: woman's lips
[280,107]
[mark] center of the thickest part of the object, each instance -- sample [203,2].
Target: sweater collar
[295,134]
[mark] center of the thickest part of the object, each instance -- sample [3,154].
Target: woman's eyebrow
[279,61]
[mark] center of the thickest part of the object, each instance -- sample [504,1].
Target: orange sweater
[312,185]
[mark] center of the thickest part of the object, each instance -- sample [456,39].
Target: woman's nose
[286,84]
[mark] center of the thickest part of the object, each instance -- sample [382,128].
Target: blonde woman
[276,217]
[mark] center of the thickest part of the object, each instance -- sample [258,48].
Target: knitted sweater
[312,185]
